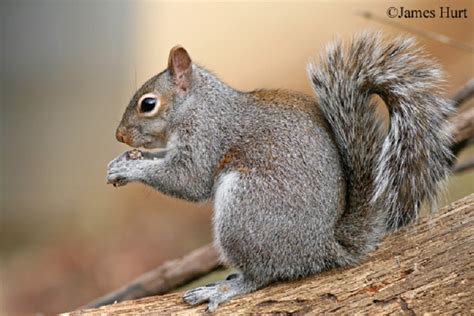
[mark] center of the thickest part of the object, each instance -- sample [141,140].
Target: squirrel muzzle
[123,137]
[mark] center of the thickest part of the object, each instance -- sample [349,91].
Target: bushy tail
[389,174]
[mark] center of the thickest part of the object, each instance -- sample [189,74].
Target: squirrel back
[388,175]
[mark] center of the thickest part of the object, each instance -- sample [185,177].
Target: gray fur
[300,185]
[413,158]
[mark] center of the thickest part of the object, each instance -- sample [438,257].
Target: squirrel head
[145,121]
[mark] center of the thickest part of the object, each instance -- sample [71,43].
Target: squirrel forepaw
[121,172]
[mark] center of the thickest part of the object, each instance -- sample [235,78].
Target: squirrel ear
[180,65]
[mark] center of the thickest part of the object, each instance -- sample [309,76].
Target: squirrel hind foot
[219,292]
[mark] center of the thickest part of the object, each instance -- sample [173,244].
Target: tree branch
[427,267]
[463,130]
[463,123]
[166,277]
[464,166]
[464,94]
[426,33]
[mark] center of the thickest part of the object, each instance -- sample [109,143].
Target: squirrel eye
[148,104]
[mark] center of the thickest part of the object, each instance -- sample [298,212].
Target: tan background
[67,72]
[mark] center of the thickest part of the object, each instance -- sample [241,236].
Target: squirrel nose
[121,137]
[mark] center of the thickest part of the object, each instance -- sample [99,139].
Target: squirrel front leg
[168,173]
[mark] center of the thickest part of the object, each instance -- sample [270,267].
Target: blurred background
[68,69]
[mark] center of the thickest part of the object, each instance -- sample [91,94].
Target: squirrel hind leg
[220,292]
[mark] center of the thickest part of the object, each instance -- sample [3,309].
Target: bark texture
[426,267]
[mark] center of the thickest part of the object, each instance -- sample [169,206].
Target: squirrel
[300,184]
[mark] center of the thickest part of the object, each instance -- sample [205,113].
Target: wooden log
[426,267]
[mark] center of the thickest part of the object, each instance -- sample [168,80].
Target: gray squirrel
[300,184]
